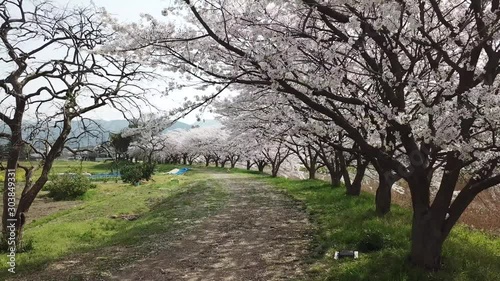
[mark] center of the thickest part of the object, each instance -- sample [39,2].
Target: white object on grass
[346,254]
[173,172]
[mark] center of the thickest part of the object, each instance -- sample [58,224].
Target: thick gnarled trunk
[426,241]
[383,196]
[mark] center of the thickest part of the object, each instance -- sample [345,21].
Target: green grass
[171,203]
[62,166]
[342,221]
[161,204]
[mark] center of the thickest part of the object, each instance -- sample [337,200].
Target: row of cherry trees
[411,87]
[206,145]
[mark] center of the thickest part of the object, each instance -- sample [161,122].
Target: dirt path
[260,235]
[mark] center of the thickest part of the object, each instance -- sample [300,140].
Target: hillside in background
[104,128]
[208,123]
[116,126]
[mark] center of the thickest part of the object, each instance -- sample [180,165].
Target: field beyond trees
[216,223]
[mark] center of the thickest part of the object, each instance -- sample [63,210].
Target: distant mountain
[113,126]
[179,125]
[213,123]
[107,126]
[116,126]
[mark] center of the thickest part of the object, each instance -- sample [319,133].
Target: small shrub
[371,242]
[68,186]
[131,173]
[137,172]
[147,170]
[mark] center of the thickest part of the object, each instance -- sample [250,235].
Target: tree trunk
[274,170]
[207,161]
[234,160]
[386,179]
[29,193]
[344,171]
[312,172]
[249,165]
[430,225]
[383,196]
[354,189]
[184,159]
[261,165]
[335,179]
[10,172]
[426,241]
[333,166]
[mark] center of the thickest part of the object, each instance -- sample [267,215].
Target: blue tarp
[105,176]
[182,171]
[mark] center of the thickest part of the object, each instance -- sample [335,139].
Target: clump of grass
[371,241]
[346,222]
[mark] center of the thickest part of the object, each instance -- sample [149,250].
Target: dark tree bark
[383,195]
[261,164]
[353,188]
[335,179]
[234,159]
[386,179]
[331,161]
[12,162]
[430,225]
[312,173]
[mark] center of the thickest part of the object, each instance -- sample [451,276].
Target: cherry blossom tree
[148,136]
[423,75]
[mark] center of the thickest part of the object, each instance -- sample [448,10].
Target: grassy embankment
[343,221]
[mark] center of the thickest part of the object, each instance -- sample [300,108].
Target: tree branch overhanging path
[412,85]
